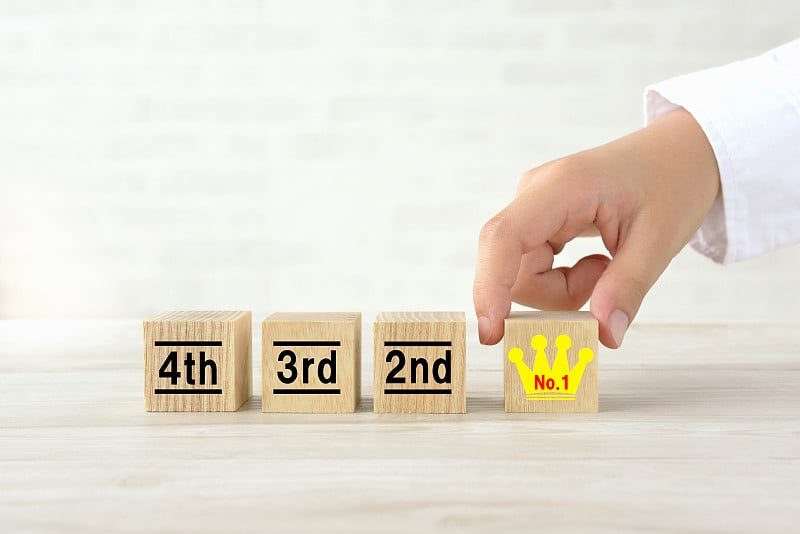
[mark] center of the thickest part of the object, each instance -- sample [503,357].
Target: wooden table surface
[699,429]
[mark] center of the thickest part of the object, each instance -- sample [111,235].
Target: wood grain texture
[525,390]
[334,369]
[699,431]
[230,363]
[423,353]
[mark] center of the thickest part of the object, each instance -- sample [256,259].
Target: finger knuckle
[572,168]
[494,229]
[528,178]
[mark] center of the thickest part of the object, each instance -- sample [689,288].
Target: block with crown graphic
[420,362]
[550,362]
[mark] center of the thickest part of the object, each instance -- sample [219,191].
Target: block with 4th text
[197,361]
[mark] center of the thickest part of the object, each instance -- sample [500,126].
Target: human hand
[645,194]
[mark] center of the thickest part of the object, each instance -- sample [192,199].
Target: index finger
[530,220]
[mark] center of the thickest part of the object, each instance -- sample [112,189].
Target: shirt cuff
[750,113]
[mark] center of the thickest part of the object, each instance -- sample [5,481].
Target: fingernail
[618,325]
[484,328]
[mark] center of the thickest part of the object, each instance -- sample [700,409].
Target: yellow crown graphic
[544,382]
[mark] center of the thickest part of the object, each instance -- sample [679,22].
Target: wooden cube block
[311,362]
[420,362]
[197,361]
[550,362]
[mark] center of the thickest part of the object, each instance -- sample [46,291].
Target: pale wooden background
[699,430]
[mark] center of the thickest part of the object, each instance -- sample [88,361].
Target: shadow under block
[420,362]
[550,362]
[311,362]
[198,361]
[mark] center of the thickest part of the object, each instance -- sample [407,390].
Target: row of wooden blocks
[311,362]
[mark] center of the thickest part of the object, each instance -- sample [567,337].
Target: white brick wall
[325,155]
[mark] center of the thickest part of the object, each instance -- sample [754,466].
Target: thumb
[621,289]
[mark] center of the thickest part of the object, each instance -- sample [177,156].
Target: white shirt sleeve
[750,112]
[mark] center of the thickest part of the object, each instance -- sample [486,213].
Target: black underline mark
[305,391]
[190,391]
[417,391]
[188,343]
[306,343]
[417,343]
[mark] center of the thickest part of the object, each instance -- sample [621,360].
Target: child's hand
[645,194]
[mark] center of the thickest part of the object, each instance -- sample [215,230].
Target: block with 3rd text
[311,362]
